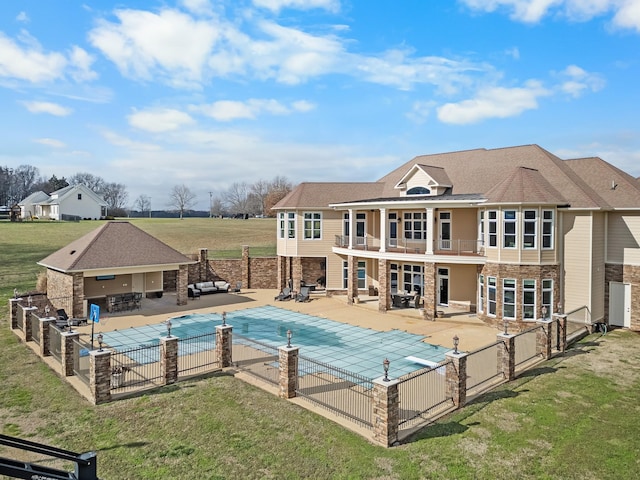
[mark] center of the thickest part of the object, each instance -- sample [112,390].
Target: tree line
[241,198]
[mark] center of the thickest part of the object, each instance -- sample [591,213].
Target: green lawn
[573,417]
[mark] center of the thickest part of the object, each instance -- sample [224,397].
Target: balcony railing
[404,245]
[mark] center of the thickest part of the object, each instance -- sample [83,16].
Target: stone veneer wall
[519,273]
[313,268]
[259,272]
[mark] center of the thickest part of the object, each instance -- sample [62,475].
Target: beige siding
[334,271]
[548,256]
[598,233]
[418,179]
[464,224]
[577,260]
[623,232]
[530,256]
[153,281]
[510,255]
[463,281]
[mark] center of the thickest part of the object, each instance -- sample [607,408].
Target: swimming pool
[355,349]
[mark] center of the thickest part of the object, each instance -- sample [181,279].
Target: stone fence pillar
[456,374]
[44,335]
[386,411]
[543,338]
[169,359]
[246,268]
[28,328]
[13,312]
[288,371]
[562,331]
[67,346]
[224,347]
[100,376]
[507,355]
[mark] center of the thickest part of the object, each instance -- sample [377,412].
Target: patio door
[443,286]
[444,220]
[620,304]
[393,230]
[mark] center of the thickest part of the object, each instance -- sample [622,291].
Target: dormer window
[418,191]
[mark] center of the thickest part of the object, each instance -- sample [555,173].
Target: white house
[66,203]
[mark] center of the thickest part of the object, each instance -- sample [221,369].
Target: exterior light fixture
[456,342]
[506,325]
[29,300]
[100,339]
[15,293]
[224,319]
[544,312]
[46,310]
[385,365]
[69,322]
[168,323]
[289,334]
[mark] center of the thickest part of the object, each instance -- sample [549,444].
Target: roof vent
[614,185]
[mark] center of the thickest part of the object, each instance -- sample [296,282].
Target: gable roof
[525,186]
[60,195]
[114,245]
[320,194]
[437,174]
[35,197]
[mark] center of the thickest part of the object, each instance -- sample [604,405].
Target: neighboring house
[72,202]
[512,234]
[113,259]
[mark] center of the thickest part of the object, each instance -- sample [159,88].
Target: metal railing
[405,245]
[20,318]
[55,342]
[483,371]
[35,327]
[461,246]
[526,346]
[256,358]
[81,361]
[422,395]
[136,367]
[578,323]
[197,354]
[344,393]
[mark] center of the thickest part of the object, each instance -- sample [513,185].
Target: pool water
[354,349]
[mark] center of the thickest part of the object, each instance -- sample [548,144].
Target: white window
[491,291]
[530,222]
[412,278]
[481,228]
[508,298]
[361,229]
[547,229]
[480,306]
[281,224]
[415,225]
[362,274]
[547,298]
[493,228]
[528,299]
[509,229]
[312,226]
[291,225]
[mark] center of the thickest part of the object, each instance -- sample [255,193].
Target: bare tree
[217,207]
[89,180]
[25,180]
[259,192]
[237,198]
[278,189]
[115,194]
[143,204]
[181,199]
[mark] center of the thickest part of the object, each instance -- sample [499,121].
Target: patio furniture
[303,296]
[416,301]
[193,292]
[285,294]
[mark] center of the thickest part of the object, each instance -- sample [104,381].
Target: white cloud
[159,120]
[144,45]
[420,111]
[277,5]
[228,110]
[202,7]
[47,107]
[575,81]
[23,17]
[493,102]
[626,13]
[50,142]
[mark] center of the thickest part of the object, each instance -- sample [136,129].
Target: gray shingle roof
[113,245]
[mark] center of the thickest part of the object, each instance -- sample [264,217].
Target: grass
[573,417]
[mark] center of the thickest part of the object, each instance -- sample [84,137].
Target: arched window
[418,191]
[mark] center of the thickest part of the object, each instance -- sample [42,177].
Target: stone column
[543,338]
[224,347]
[288,371]
[296,274]
[384,292]
[28,328]
[182,281]
[562,331]
[13,312]
[67,352]
[282,272]
[246,268]
[352,279]
[430,294]
[386,411]
[77,309]
[100,376]
[44,335]
[203,261]
[507,355]
[456,374]
[169,359]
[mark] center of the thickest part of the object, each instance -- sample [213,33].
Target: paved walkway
[472,332]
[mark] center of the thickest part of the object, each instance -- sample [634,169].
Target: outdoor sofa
[210,287]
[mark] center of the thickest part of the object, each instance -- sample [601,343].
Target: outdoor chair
[416,301]
[238,287]
[303,296]
[193,293]
[285,294]
[397,301]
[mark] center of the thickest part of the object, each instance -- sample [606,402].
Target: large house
[513,234]
[72,202]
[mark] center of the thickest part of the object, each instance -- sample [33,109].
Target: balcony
[402,245]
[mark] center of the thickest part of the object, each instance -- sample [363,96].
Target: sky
[205,93]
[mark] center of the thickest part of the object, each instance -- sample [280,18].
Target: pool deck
[471,331]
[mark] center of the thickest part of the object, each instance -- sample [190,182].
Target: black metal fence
[55,342]
[256,358]
[483,370]
[81,361]
[136,368]
[526,346]
[197,354]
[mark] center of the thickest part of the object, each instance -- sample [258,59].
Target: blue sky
[153,94]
